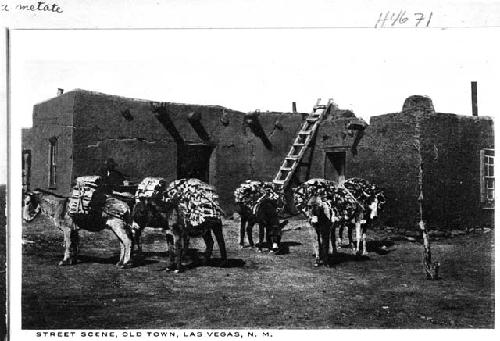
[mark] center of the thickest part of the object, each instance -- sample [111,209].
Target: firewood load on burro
[150,210]
[325,205]
[89,208]
[260,202]
[372,199]
[185,208]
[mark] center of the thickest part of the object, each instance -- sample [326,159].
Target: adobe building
[75,132]
[457,157]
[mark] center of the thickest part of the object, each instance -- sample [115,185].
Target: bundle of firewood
[252,192]
[151,187]
[364,191]
[197,200]
[82,192]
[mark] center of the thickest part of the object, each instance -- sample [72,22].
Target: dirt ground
[386,289]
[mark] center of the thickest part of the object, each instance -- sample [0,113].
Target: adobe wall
[128,131]
[51,119]
[451,155]
[387,157]
[450,147]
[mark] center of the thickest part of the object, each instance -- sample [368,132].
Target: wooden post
[431,269]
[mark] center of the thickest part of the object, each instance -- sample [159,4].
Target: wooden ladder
[301,143]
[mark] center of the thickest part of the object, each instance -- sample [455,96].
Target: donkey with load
[90,208]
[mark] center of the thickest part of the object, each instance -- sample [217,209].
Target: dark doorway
[193,161]
[26,170]
[335,166]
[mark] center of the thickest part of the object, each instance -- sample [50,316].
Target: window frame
[487,175]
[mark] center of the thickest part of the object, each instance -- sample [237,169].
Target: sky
[368,71]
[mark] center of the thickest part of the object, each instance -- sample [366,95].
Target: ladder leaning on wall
[301,143]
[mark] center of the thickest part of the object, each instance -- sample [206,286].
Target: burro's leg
[178,247]
[339,237]
[124,234]
[333,239]
[324,243]
[363,228]
[242,230]
[357,224]
[71,241]
[350,227]
[170,250]
[136,237]
[250,224]
[261,235]
[209,246]
[219,237]
[315,241]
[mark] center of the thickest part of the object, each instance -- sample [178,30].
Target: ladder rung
[300,145]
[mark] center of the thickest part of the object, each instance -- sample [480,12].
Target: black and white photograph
[251,179]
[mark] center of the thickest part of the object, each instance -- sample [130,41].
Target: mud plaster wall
[51,120]
[331,134]
[142,147]
[451,156]
[387,156]
[450,146]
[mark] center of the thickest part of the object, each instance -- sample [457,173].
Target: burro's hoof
[171,268]
[204,260]
[67,262]
[126,265]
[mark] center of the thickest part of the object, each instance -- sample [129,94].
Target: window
[487,180]
[52,162]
